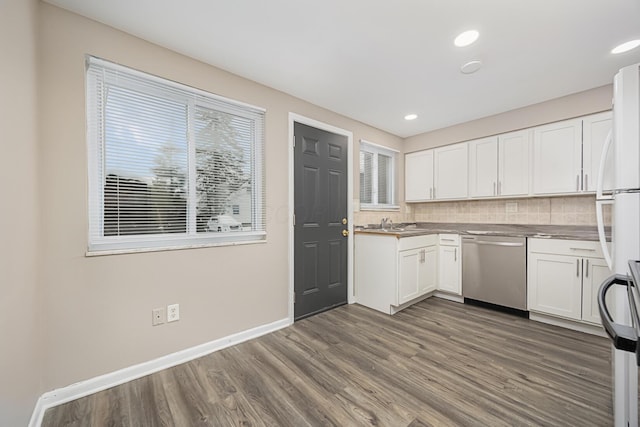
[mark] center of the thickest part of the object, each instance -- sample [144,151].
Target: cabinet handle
[586,182]
[434,192]
[455,254]
[582,249]
[494,189]
[578,267]
[578,182]
[586,272]
[499,188]
[423,255]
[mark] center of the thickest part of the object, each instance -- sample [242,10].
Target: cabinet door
[595,272]
[449,268]
[483,167]
[408,274]
[418,176]
[557,157]
[554,285]
[451,172]
[428,274]
[594,132]
[513,163]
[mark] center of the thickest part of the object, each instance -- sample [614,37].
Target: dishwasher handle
[623,337]
[509,244]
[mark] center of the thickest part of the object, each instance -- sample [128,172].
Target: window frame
[98,243]
[376,149]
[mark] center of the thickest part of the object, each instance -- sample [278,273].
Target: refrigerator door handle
[603,158]
[608,256]
[623,337]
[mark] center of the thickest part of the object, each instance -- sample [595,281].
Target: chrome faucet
[386,221]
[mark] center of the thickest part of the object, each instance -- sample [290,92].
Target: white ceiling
[376,61]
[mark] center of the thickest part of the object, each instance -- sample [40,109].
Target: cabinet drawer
[449,239]
[415,242]
[578,248]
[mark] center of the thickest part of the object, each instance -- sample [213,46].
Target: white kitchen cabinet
[449,264]
[595,271]
[557,157]
[417,273]
[555,285]
[418,176]
[392,272]
[451,172]
[513,164]
[594,132]
[563,277]
[483,167]
[499,165]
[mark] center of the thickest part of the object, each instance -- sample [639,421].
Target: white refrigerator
[623,145]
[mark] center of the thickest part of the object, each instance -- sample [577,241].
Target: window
[377,172]
[167,162]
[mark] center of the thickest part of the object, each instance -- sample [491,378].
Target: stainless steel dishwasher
[494,270]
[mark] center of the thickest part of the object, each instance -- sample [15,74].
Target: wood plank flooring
[437,363]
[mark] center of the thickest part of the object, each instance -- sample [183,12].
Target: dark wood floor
[436,363]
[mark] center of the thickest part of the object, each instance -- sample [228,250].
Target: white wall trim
[84,388]
[293,117]
[568,324]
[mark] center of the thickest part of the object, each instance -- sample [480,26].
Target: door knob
[345,233]
[344,221]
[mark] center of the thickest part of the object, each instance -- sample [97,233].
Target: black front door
[320,241]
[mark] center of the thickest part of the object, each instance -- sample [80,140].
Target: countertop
[571,232]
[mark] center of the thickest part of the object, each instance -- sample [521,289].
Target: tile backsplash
[574,210]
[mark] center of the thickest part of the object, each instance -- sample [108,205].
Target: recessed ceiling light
[625,47]
[411,117]
[466,38]
[471,67]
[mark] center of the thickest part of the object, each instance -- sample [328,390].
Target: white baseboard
[84,388]
[450,297]
[568,324]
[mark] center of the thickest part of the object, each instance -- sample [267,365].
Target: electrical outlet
[157,316]
[173,312]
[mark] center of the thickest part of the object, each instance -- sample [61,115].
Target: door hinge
[294,141]
[294,219]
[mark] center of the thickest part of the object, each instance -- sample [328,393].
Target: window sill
[96,253]
[379,208]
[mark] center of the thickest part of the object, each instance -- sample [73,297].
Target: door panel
[320,193]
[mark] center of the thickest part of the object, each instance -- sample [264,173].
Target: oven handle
[623,337]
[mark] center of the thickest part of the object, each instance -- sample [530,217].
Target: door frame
[293,118]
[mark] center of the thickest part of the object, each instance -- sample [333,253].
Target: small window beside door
[377,176]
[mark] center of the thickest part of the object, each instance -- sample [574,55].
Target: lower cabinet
[449,264]
[417,273]
[390,272]
[564,277]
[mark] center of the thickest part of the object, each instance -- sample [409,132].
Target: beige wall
[98,310]
[20,353]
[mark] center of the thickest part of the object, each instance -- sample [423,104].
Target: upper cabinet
[451,172]
[418,176]
[554,159]
[499,165]
[557,157]
[595,129]
[566,155]
[513,163]
[483,167]
[438,174]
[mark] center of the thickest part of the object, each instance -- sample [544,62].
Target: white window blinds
[377,176]
[168,162]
